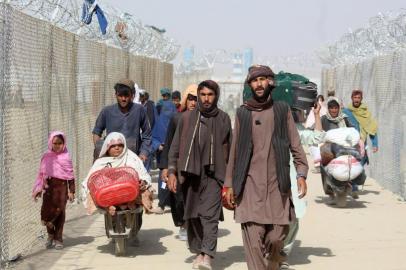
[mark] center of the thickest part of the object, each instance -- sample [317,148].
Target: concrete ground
[369,234]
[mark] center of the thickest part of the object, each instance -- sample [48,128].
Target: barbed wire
[124,30]
[384,33]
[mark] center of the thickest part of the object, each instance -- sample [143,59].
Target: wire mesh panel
[150,80]
[116,69]
[51,80]
[63,86]
[4,36]
[402,120]
[382,80]
[136,70]
[90,90]
[25,119]
[159,78]
[168,75]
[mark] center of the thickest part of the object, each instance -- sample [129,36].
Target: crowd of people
[258,169]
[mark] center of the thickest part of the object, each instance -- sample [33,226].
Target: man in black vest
[257,178]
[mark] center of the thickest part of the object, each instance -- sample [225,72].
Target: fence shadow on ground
[300,255]
[225,259]
[45,258]
[351,203]
[149,244]
[41,258]
[75,241]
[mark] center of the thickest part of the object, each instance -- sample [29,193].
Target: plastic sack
[347,137]
[344,168]
[315,153]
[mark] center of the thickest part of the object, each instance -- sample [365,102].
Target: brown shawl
[259,104]
[214,157]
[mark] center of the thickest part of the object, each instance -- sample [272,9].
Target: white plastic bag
[347,137]
[344,168]
[315,153]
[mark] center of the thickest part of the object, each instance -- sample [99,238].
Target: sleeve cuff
[97,132]
[171,171]
[301,175]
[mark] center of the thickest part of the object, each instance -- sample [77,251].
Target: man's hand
[164,175]
[172,182]
[161,147]
[230,198]
[143,157]
[375,149]
[71,196]
[301,187]
[317,108]
[96,138]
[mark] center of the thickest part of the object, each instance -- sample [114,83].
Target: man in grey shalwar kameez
[199,153]
[257,176]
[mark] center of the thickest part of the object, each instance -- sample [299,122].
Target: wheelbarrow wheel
[341,199]
[120,245]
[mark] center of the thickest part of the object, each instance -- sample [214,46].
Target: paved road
[369,234]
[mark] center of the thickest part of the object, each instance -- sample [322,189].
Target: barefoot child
[56,182]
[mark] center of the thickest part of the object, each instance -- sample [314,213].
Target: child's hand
[71,196]
[37,195]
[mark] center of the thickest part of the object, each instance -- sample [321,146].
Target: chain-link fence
[383,80]
[51,79]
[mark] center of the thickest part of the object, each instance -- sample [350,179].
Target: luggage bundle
[330,151]
[114,186]
[294,89]
[298,91]
[345,168]
[340,154]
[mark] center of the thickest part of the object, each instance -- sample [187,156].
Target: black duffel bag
[296,90]
[304,95]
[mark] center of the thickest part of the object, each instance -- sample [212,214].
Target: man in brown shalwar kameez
[199,153]
[257,176]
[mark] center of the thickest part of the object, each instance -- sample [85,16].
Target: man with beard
[198,158]
[127,118]
[257,180]
[187,103]
[361,118]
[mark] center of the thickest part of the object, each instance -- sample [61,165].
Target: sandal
[197,261]
[49,243]
[284,266]
[58,245]
[206,264]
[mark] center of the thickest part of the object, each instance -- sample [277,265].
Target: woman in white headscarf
[114,153]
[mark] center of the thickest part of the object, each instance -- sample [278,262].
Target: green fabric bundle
[283,90]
